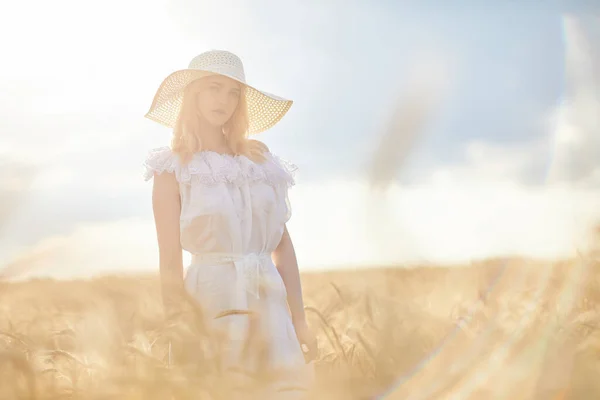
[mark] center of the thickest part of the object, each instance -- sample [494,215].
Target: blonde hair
[186,140]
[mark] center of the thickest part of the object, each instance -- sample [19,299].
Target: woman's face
[217,99]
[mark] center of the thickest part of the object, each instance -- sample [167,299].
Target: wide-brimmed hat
[264,109]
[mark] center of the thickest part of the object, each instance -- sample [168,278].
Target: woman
[223,197]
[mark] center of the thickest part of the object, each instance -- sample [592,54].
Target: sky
[430,133]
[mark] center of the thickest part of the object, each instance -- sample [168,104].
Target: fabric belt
[247,266]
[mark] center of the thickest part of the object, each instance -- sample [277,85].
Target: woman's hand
[307,339]
[172,313]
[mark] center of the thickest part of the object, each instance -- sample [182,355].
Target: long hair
[186,133]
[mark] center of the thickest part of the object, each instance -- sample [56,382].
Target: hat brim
[264,109]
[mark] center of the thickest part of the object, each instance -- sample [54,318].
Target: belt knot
[247,266]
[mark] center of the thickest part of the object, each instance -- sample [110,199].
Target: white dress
[233,213]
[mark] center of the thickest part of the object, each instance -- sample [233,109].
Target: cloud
[577,119]
[445,221]
[90,172]
[488,163]
[15,182]
[123,246]
[563,144]
[344,223]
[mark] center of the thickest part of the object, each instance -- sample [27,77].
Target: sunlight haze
[505,160]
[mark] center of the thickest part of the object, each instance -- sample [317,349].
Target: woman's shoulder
[159,160]
[211,167]
[277,166]
[256,146]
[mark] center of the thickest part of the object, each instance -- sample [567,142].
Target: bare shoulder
[163,166]
[258,146]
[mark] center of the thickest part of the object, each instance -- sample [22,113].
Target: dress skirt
[259,338]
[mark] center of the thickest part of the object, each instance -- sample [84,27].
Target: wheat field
[499,329]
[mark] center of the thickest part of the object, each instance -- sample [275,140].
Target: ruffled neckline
[209,167]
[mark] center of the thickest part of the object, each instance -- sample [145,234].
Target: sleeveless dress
[233,212]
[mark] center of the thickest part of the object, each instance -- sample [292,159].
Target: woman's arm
[285,260]
[166,206]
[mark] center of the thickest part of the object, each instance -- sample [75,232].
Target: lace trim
[211,168]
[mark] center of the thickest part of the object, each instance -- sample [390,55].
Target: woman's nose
[222,98]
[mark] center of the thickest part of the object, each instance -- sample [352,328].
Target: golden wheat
[504,330]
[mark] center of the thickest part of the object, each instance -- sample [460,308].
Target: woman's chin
[216,122]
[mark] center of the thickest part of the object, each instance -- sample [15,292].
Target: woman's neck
[213,139]
[214,143]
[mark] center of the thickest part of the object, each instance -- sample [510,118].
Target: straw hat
[264,109]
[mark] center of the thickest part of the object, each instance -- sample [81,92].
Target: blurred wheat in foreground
[499,330]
